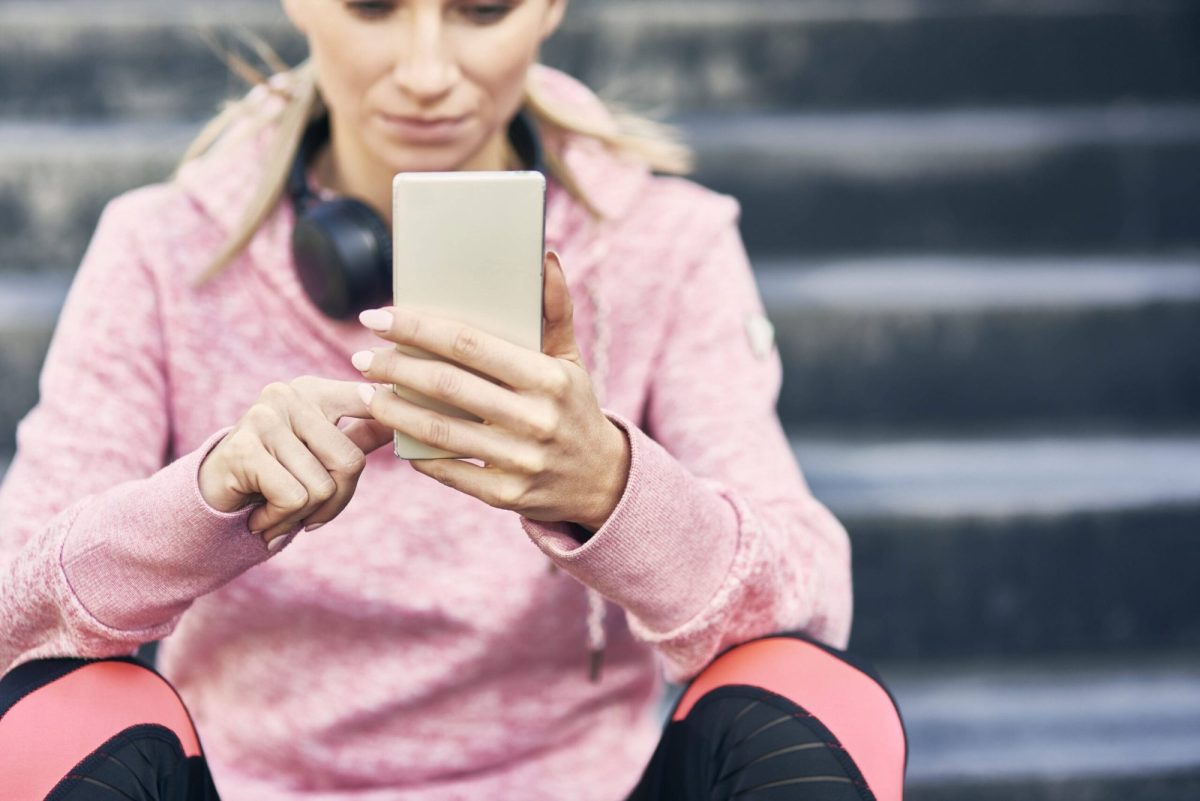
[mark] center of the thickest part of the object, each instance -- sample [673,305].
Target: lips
[424,130]
[423,120]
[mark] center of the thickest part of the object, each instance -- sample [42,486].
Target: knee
[56,712]
[844,693]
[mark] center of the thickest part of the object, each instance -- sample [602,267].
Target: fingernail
[366,392]
[277,543]
[313,527]
[362,360]
[376,319]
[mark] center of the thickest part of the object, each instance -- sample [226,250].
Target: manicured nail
[376,319]
[362,360]
[277,543]
[313,527]
[366,392]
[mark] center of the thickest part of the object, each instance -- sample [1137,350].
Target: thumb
[558,325]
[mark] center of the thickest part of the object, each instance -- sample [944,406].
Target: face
[422,84]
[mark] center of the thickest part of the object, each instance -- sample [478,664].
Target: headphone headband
[315,135]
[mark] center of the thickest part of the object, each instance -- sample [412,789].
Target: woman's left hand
[548,451]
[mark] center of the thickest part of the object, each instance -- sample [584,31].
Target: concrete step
[1052,731]
[120,57]
[1015,181]
[1154,786]
[55,180]
[29,307]
[832,54]
[969,340]
[999,476]
[1016,543]
[985,180]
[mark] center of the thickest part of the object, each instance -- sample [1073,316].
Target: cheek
[346,67]
[499,68]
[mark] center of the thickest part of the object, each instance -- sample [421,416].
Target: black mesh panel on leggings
[746,744]
[142,763]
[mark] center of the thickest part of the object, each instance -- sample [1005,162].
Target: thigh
[745,743]
[781,717]
[86,730]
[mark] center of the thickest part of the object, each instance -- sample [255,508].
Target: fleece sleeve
[102,544]
[717,538]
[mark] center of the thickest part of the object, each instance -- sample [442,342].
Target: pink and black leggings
[781,717]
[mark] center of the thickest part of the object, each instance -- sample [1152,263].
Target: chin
[430,164]
[442,157]
[425,159]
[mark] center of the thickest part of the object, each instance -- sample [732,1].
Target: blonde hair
[655,144]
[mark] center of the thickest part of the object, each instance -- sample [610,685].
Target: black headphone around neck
[341,247]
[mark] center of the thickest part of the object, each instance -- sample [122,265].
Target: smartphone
[468,246]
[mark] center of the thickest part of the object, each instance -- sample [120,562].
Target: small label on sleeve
[761,335]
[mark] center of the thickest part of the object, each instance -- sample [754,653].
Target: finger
[445,382]
[283,494]
[493,487]
[319,486]
[279,530]
[464,437]
[463,344]
[323,454]
[558,325]
[336,399]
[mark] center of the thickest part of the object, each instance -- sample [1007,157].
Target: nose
[425,67]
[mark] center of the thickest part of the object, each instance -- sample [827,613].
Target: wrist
[616,474]
[210,480]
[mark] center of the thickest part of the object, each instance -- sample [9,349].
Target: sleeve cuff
[141,553]
[666,548]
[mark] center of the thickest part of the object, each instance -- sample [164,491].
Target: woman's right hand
[287,453]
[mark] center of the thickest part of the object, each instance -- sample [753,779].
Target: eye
[370,9]
[485,13]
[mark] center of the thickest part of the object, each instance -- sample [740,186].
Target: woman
[200,417]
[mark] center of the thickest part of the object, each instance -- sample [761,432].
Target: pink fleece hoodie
[417,646]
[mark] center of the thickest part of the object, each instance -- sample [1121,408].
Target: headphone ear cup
[343,256]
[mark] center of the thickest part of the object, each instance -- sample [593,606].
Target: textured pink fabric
[417,646]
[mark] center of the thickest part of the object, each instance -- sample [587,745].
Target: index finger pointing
[336,399]
[458,342]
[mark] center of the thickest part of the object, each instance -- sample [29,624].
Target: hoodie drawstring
[601,333]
